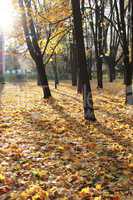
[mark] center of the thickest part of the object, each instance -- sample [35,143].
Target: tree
[41,26]
[114,41]
[73,62]
[87,95]
[55,70]
[123,10]
[33,46]
[96,23]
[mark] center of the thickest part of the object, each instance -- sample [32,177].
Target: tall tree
[124,16]
[87,94]
[43,31]
[33,45]
[96,23]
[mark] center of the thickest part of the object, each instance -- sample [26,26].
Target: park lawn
[48,151]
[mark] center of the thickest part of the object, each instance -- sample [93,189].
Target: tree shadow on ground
[113,165]
[100,127]
[72,122]
[116,115]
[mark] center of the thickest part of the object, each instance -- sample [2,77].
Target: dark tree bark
[97,31]
[113,45]
[99,64]
[42,78]
[110,61]
[73,60]
[125,45]
[112,72]
[90,65]
[87,94]
[54,63]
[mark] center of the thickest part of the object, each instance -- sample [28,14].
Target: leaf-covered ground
[47,150]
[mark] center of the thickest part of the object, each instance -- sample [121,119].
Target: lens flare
[6,15]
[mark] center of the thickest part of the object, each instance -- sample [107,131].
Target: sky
[6,15]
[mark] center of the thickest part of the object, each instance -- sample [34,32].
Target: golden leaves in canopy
[49,18]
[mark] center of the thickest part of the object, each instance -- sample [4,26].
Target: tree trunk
[42,78]
[90,66]
[54,63]
[128,81]
[87,95]
[80,84]
[111,64]
[55,75]
[128,65]
[99,73]
[73,56]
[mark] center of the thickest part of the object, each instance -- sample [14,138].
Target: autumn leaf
[4,189]
[97,198]
[116,198]
[98,186]
[2,177]
[39,172]
[35,191]
[85,190]
[130,165]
